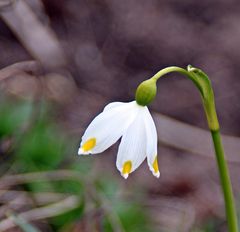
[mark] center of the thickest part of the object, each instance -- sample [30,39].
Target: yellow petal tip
[127,167]
[87,146]
[155,166]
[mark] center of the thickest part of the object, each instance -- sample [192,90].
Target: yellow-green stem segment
[202,82]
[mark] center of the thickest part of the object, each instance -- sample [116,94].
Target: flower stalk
[202,82]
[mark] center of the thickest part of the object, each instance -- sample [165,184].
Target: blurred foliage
[210,226]
[132,216]
[13,115]
[38,143]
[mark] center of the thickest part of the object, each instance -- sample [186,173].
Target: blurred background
[62,61]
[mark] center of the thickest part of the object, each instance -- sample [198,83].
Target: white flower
[135,125]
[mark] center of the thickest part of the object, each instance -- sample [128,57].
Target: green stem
[178,70]
[225,182]
[202,82]
[168,70]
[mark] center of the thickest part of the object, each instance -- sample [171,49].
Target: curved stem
[168,70]
[203,84]
[179,70]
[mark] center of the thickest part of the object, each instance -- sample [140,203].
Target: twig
[37,38]
[8,181]
[7,196]
[4,4]
[52,210]
[17,179]
[30,67]
[23,224]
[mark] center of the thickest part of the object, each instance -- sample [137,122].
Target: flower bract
[135,125]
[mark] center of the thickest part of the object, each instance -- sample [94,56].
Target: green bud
[146,92]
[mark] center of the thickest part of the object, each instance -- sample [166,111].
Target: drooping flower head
[133,123]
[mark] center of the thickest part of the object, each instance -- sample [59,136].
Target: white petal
[113,105]
[108,127]
[132,149]
[151,134]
